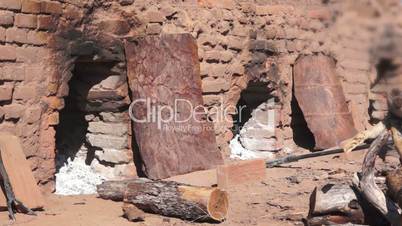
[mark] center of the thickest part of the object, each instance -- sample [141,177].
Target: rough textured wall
[27,106]
[238,41]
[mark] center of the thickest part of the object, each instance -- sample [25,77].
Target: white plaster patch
[77,178]
[237,151]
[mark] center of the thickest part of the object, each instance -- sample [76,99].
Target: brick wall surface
[238,41]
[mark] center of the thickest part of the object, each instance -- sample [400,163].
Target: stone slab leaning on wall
[320,96]
[165,69]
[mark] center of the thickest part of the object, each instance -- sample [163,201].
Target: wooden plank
[242,172]
[320,96]
[19,171]
[165,71]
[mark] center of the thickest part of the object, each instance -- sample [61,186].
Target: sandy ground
[281,199]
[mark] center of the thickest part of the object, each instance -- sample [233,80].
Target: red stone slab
[320,96]
[242,172]
[19,171]
[165,70]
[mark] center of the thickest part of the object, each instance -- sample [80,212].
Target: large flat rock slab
[320,96]
[164,79]
[19,171]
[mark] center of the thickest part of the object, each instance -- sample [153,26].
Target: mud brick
[25,92]
[355,64]
[240,30]
[6,92]
[16,35]
[30,54]
[225,4]
[211,99]
[13,72]
[2,34]
[115,26]
[215,55]
[35,73]
[33,114]
[13,111]
[207,40]
[154,17]
[235,43]
[25,20]
[355,88]
[73,12]
[274,10]
[6,18]
[37,38]
[214,70]
[10,4]
[242,172]
[320,14]
[7,53]
[51,7]
[31,6]
[237,69]
[46,22]
[211,85]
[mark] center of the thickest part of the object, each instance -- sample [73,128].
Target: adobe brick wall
[25,107]
[238,41]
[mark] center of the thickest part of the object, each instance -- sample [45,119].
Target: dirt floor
[281,199]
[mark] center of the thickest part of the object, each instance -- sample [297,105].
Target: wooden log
[331,199]
[351,143]
[170,198]
[367,187]
[114,190]
[394,185]
[395,102]
[397,138]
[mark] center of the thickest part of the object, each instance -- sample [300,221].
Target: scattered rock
[132,213]
[126,2]
[111,82]
[258,133]
[294,179]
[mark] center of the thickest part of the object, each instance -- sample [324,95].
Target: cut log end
[214,201]
[218,205]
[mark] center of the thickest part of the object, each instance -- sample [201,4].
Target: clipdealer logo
[183,115]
